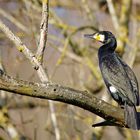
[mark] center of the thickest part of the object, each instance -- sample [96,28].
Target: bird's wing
[133,80]
[116,81]
[115,76]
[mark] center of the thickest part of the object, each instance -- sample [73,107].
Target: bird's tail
[132,118]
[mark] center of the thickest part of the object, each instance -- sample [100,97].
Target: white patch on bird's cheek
[102,38]
[112,89]
[99,37]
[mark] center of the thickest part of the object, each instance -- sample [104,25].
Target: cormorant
[119,79]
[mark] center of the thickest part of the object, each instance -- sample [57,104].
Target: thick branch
[68,95]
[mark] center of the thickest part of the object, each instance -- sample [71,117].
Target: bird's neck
[107,48]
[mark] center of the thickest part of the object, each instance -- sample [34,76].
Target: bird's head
[102,36]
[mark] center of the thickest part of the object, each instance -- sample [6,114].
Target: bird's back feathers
[116,75]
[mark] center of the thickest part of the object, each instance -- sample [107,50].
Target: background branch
[113,14]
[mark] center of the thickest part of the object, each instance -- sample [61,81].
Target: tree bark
[52,91]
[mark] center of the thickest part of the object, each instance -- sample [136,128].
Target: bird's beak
[89,36]
[95,36]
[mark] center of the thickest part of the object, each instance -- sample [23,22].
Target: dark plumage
[118,77]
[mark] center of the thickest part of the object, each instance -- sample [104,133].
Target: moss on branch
[52,91]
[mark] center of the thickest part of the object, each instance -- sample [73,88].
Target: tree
[47,89]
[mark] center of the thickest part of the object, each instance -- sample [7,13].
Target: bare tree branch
[113,14]
[23,48]
[13,20]
[43,31]
[60,93]
[123,31]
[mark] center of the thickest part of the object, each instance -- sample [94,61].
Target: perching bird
[118,77]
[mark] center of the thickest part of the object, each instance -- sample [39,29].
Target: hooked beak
[96,36]
[89,36]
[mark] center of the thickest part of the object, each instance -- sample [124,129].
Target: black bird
[119,79]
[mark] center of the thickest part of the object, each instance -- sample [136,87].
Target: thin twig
[131,49]
[87,10]
[68,54]
[113,14]
[124,20]
[31,5]
[13,20]
[43,31]
[23,48]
